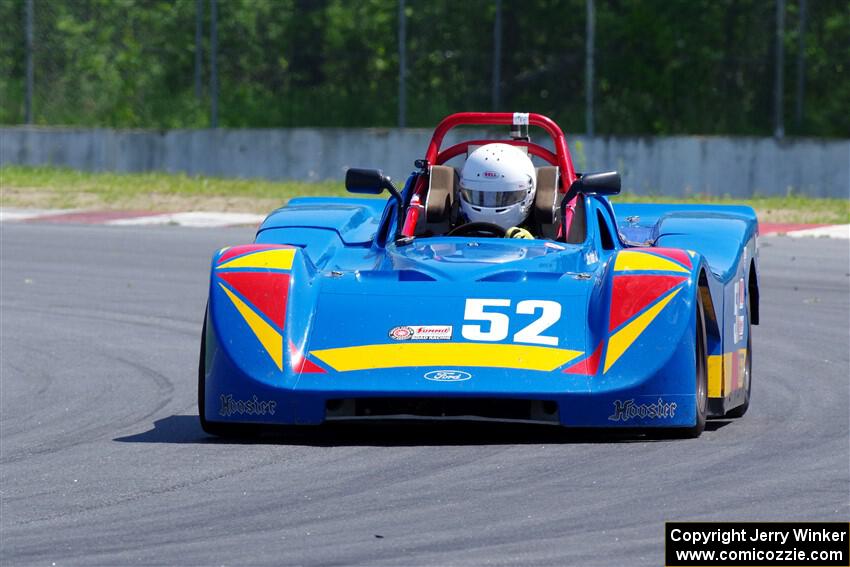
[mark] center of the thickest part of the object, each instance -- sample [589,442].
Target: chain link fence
[660,67]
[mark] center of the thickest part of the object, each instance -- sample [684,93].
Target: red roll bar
[561,156]
[565,162]
[463,147]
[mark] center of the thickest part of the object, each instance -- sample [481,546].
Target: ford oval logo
[448,375]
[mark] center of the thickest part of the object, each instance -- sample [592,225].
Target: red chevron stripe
[632,293]
[265,291]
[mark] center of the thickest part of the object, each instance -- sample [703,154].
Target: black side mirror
[366,181]
[373,182]
[605,183]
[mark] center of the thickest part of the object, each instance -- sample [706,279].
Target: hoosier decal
[254,406]
[626,410]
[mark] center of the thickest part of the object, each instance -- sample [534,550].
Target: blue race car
[627,316]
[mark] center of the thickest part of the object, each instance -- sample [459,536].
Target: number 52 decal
[550,313]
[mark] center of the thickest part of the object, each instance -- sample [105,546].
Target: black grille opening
[545,411]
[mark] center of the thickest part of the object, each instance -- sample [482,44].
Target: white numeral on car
[499,323]
[550,313]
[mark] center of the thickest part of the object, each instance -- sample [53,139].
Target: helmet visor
[492,199]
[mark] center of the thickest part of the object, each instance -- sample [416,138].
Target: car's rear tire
[748,372]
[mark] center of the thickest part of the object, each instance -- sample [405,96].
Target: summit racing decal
[254,406]
[626,410]
[421,333]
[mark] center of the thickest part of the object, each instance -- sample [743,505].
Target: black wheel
[701,385]
[220,429]
[205,425]
[748,372]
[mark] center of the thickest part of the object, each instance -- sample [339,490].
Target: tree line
[662,67]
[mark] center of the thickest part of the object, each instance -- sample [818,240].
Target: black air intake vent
[502,409]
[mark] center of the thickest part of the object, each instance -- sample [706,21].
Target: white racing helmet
[497,185]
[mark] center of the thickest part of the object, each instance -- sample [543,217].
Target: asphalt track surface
[102,460]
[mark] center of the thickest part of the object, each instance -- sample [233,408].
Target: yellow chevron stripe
[629,260]
[623,339]
[399,355]
[271,340]
[278,259]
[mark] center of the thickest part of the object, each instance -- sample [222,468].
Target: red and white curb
[834,231]
[806,230]
[26,214]
[200,219]
[195,219]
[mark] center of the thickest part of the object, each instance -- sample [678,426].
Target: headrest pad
[440,196]
[548,196]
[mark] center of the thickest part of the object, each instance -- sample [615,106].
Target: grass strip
[52,187]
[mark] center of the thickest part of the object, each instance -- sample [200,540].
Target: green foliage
[662,66]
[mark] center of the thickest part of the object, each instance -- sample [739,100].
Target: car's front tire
[211,427]
[701,384]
